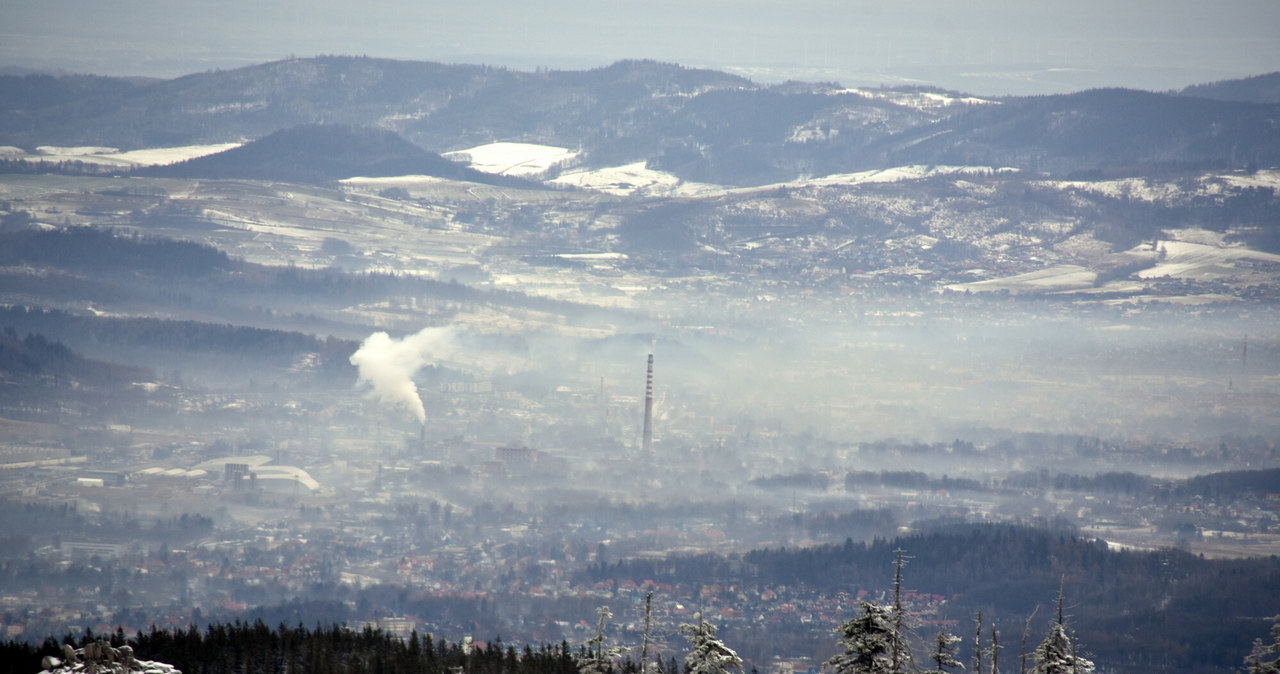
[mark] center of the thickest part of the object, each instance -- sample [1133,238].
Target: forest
[1165,610]
[241,648]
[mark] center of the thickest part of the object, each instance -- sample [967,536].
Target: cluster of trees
[36,355]
[881,639]
[156,333]
[909,480]
[1165,609]
[255,647]
[105,250]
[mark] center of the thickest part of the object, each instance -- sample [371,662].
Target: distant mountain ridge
[1258,89]
[1099,129]
[701,125]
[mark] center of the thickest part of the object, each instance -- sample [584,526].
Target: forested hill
[102,265]
[1259,89]
[1104,130]
[318,154]
[35,356]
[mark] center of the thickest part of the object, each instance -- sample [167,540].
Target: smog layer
[395,364]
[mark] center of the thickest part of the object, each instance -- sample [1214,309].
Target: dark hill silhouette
[1259,89]
[434,105]
[320,154]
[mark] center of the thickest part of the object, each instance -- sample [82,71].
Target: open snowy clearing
[110,156]
[636,180]
[1057,277]
[919,100]
[407,182]
[1190,254]
[1127,188]
[1204,262]
[900,173]
[1265,179]
[513,159]
[1151,190]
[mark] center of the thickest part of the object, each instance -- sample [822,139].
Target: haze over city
[556,337]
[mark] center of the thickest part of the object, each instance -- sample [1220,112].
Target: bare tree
[598,658]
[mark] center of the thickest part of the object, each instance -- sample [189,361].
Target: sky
[990,47]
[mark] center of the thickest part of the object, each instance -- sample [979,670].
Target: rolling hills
[701,125]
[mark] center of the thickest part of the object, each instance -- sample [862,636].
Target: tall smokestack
[647,443]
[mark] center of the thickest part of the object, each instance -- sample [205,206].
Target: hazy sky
[980,46]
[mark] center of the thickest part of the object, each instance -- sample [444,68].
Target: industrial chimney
[647,443]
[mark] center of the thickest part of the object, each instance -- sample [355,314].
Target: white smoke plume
[388,365]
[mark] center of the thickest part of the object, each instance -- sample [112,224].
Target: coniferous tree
[708,654]
[900,651]
[869,642]
[597,658]
[944,653]
[1265,658]
[1059,652]
[876,640]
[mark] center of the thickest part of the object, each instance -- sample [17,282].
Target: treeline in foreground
[243,648]
[878,640]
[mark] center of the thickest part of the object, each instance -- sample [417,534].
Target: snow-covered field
[407,182]
[1266,179]
[1190,254]
[635,179]
[1131,188]
[900,173]
[1055,278]
[920,100]
[110,156]
[1200,255]
[1151,190]
[513,159]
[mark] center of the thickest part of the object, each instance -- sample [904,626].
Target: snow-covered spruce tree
[944,653]
[1265,658]
[707,654]
[875,640]
[596,657]
[869,642]
[1059,652]
[899,651]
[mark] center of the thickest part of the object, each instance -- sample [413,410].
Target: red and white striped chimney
[647,442]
